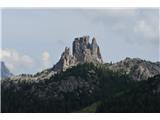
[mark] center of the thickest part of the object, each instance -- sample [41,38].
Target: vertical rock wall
[82,51]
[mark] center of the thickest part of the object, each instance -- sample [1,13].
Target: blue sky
[33,39]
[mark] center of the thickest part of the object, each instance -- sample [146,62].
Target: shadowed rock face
[82,51]
[5,73]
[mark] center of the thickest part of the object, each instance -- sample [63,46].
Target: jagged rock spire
[65,61]
[95,51]
[82,51]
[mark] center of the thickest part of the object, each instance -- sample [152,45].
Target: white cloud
[16,61]
[119,32]
[21,63]
[46,59]
[121,12]
[145,29]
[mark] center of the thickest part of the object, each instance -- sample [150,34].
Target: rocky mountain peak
[137,68]
[66,52]
[82,51]
[65,61]
[94,41]
[5,73]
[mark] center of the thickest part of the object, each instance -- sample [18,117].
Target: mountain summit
[5,73]
[82,52]
[81,82]
[137,68]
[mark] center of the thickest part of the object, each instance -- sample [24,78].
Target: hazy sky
[0,30]
[33,39]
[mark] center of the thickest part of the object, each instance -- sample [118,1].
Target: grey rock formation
[5,73]
[66,61]
[137,68]
[85,51]
[82,52]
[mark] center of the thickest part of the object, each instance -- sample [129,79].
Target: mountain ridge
[82,51]
[137,68]
[81,82]
[85,52]
[71,90]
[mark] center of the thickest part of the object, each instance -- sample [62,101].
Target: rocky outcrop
[137,68]
[66,61]
[82,51]
[5,73]
[85,52]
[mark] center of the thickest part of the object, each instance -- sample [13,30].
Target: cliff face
[85,51]
[82,51]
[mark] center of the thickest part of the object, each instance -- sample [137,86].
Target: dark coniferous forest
[82,88]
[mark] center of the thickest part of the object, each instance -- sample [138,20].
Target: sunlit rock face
[66,61]
[137,68]
[82,51]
